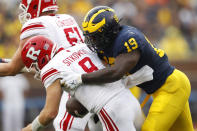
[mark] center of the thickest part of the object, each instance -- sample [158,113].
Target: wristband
[36,125]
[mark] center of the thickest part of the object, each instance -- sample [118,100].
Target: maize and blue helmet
[100,27]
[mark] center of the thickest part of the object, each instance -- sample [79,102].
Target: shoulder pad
[33,27]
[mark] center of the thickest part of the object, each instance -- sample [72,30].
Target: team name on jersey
[75,56]
[65,22]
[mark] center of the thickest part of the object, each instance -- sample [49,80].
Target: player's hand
[27,128]
[71,81]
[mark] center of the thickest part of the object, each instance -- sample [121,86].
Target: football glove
[144,74]
[70,82]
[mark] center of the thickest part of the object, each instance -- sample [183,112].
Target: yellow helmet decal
[89,26]
[116,18]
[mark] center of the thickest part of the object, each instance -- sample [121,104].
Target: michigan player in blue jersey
[132,54]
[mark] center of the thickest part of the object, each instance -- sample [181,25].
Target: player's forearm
[5,69]
[50,110]
[46,117]
[37,124]
[124,63]
[106,75]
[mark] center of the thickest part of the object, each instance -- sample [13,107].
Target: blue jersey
[130,39]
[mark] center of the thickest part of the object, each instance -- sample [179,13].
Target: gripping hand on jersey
[70,81]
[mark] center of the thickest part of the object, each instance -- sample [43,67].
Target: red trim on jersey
[60,49]
[32,26]
[48,73]
[108,120]
[50,76]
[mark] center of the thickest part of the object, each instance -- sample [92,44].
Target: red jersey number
[70,30]
[87,65]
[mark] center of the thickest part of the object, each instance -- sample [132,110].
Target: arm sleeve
[49,75]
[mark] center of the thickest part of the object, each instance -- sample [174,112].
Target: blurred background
[169,24]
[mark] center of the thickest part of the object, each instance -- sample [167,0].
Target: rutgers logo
[32,53]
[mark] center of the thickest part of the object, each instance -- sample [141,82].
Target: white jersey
[81,60]
[62,29]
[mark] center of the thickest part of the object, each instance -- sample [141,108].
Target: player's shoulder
[52,71]
[127,40]
[127,32]
[64,15]
[36,22]
[33,27]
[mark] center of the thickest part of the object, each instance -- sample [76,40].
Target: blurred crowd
[169,24]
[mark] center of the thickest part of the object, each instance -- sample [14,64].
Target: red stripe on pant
[104,122]
[71,122]
[106,119]
[66,122]
[62,120]
[110,119]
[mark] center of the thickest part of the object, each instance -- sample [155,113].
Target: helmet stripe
[89,26]
[38,11]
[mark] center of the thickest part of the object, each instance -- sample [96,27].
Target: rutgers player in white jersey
[60,28]
[116,107]
[39,18]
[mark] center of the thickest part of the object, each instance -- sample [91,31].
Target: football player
[39,18]
[116,107]
[129,51]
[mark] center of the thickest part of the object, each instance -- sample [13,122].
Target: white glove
[70,82]
[142,75]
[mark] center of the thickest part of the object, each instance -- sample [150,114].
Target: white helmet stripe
[28,4]
[39,6]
